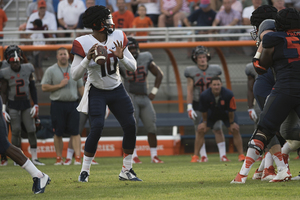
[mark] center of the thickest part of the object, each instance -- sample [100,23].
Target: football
[100,55]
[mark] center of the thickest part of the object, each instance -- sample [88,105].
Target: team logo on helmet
[200,50]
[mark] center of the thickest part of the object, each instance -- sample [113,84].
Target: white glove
[191,112]
[106,112]
[252,114]
[34,111]
[5,114]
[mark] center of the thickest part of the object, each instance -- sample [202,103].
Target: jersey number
[19,83]
[138,76]
[108,66]
[293,43]
[203,83]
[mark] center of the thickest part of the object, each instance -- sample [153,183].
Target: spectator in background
[33,7]
[247,12]
[68,13]
[123,17]
[88,4]
[216,4]
[38,55]
[227,17]
[97,2]
[278,4]
[63,95]
[172,12]
[47,17]
[153,9]
[204,16]
[142,21]
[236,5]
[113,7]
[3,20]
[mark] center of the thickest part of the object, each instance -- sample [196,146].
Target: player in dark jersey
[136,85]
[261,89]
[280,51]
[40,180]
[17,87]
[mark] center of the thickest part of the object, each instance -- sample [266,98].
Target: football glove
[252,114]
[5,114]
[191,112]
[34,111]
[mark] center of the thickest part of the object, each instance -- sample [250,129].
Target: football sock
[203,151]
[286,149]
[86,164]
[33,152]
[222,149]
[262,164]
[268,160]
[134,153]
[32,170]
[70,153]
[279,160]
[251,157]
[153,151]
[127,162]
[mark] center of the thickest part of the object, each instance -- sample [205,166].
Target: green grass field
[177,178]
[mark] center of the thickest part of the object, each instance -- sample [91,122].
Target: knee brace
[261,136]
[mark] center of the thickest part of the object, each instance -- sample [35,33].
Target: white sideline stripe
[117,138]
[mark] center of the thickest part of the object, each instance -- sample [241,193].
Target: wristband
[257,55]
[3,108]
[189,106]
[154,90]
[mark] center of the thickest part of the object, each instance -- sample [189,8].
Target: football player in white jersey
[104,86]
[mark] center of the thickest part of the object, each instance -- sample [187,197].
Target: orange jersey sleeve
[232,104]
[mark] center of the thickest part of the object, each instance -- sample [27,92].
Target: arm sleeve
[78,67]
[232,104]
[128,61]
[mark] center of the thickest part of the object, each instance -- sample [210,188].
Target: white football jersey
[106,76]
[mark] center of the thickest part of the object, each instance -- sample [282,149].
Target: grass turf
[177,178]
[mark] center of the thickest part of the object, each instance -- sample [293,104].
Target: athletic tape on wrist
[154,90]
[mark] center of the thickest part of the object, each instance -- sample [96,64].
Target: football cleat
[59,161]
[268,174]
[282,175]
[16,164]
[257,175]
[240,179]
[204,159]
[136,160]
[296,158]
[224,159]
[39,184]
[94,162]
[83,177]
[195,159]
[37,162]
[242,157]
[68,161]
[296,178]
[128,176]
[156,160]
[3,163]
